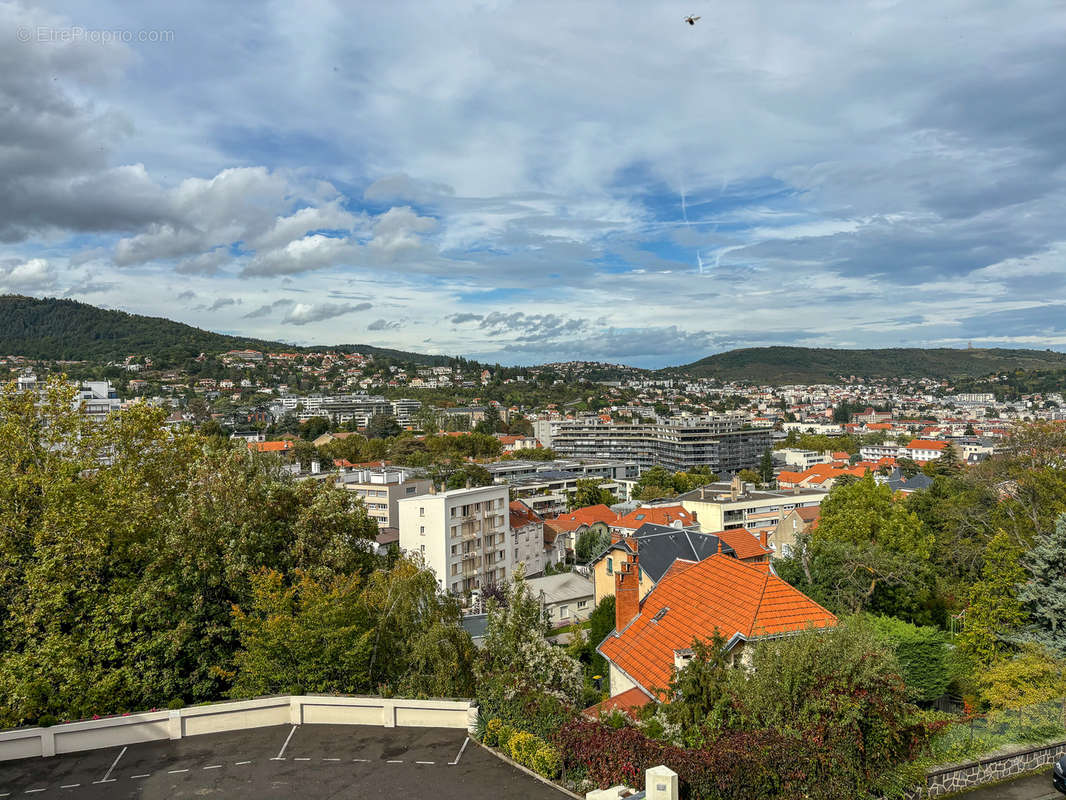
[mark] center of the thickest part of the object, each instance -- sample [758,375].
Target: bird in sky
[691,20]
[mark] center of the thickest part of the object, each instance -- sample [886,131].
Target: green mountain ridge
[67,330]
[826,365]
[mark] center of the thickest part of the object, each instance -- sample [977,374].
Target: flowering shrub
[492,732]
[503,738]
[522,746]
[546,761]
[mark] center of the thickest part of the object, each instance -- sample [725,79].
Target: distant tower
[969,345]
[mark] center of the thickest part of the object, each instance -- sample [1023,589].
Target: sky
[522,182]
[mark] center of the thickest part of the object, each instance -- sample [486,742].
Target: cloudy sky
[541,180]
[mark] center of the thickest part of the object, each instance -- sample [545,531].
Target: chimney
[626,593]
[764,538]
[719,538]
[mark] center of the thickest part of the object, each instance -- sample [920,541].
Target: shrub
[922,656]
[175,704]
[47,720]
[492,732]
[546,761]
[522,747]
[503,737]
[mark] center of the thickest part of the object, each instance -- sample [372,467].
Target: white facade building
[463,535]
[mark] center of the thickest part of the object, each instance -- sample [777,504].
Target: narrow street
[1031,787]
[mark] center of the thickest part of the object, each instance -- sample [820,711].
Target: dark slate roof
[897,483]
[658,546]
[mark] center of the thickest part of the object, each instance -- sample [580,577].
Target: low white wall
[238,715]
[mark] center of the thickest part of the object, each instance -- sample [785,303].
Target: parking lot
[307,761]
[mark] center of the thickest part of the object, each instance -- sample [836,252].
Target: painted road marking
[34,791]
[241,763]
[70,786]
[301,759]
[361,759]
[331,759]
[214,766]
[281,753]
[425,762]
[145,775]
[393,762]
[176,771]
[461,750]
[107,776]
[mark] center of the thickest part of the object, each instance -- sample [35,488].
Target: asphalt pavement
[1031,787]
[291,761]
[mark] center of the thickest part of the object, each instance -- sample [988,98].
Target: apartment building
[337,408]
[463,535]
[681,443]
[403,410]
[724,506]
[381,489]
[97,399]
[800,460]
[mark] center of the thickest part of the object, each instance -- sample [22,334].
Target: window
[564,612]
[421,511]
[455,549]
[423,548]
[411,490]
[422,530]
[610,566]
[786,550]
[582,604]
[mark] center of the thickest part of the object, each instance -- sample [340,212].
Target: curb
[526,770]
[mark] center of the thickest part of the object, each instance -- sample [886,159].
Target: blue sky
[526,182]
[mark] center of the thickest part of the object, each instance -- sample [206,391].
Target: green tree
[590,493]
[701,693]
[994,612]
[748,476]
[1043,595]
[766,468]
[922,654]
[590,543]
[382,426]
[314,427]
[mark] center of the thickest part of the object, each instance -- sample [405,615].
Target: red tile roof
[744,543]
[719,593]
[926,444]
[522,515]
[270,447]
[628,702]
[583,516]
[656,515]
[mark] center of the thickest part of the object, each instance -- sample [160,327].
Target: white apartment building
[97,399]
[801,460]
[725,506]
[381,489]
[462,534]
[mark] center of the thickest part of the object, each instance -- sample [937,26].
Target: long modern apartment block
[715,442]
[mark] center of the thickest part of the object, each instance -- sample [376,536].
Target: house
[566,598]
[326,438]
[744,603]
[925,449]
[572,524]
[660,546]
[723,506]
[897,483]
[674,516]
[820,476]
[528,545]
[798,520]
[271,447]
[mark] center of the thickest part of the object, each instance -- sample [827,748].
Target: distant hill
[71,331]
[823,365]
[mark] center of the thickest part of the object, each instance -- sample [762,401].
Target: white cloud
[29,276]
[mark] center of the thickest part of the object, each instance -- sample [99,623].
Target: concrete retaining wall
[239,715]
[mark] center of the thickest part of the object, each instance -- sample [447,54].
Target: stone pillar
[660,783]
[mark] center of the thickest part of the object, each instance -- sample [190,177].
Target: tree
[922,654]
[590,493]
[314,427]
[766,468]
[344,635]
[382,426]
[1043,595]
[748,476]
[590,543]
[868,551]
[1023,680]
[700,694]
[124,546]
[994,612]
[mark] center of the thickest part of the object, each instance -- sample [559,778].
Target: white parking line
[331,759]
[145,775]
[240,763]
[176,771]
[425,762]
[107,775]
[33,791]
[214,766]
[461,750]
[393,762]
[70,786]
[281,753]
[301,759]
[361,759]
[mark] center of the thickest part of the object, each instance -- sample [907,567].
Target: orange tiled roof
[658,515]
[627,702]
[522,515]
[926,444]
[270,447]
[583,516]
[719,592]
[744,543]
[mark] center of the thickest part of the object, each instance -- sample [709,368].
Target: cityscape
[487,400]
